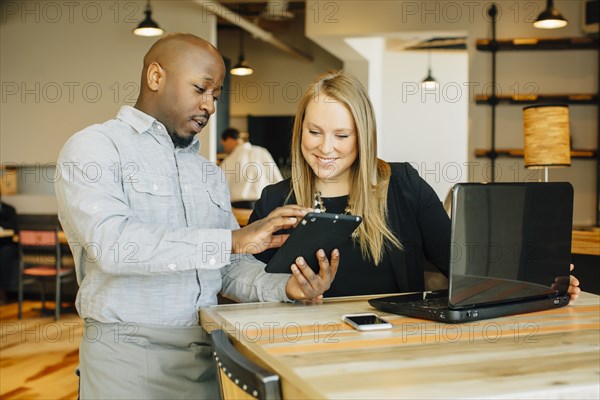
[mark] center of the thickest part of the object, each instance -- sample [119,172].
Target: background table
[4,233]
[549,354]
[242,215]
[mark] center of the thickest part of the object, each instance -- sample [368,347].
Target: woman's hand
[573,287]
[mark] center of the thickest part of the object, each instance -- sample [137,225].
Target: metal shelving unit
[494,46]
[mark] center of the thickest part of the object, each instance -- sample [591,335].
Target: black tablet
[316,231]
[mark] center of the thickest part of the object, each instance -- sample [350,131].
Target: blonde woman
[336,169]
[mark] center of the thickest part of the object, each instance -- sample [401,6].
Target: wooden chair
[41,260]
[240,378]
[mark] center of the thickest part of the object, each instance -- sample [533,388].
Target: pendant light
[550,18]
[429,83]
[242,68]
[148,27]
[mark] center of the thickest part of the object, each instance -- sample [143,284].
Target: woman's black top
[415,215]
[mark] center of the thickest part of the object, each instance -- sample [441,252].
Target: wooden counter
[549,354]
[62,238]
[6,233]
[586,242]
[583,242]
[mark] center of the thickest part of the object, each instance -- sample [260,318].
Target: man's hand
[304,284]
[258,236]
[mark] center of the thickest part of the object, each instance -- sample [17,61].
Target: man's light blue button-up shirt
[150,226]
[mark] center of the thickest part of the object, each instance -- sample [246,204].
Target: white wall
[64,68]
[427,128]
[66,65]
[332,23]
[372,49]
[279,79]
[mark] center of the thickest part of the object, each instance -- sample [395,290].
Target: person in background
[9,251]
[248,168]
[336,169]
[153,237]
[8,219]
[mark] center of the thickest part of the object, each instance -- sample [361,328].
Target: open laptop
[510,251]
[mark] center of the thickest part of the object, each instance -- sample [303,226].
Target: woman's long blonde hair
[369,176]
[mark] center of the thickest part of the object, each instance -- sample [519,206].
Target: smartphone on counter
[366,321]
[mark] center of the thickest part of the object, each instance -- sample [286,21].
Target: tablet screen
[316,231]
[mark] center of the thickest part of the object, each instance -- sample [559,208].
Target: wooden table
[549,354]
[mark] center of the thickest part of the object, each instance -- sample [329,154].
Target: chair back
[240,378]
[40,247]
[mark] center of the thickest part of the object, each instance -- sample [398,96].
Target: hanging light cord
[429,63]
[242,56]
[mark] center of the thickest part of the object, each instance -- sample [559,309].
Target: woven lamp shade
[547,136]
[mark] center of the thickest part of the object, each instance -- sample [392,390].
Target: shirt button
[212,261]
[172,266]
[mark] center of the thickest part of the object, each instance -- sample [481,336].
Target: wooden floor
[38,356]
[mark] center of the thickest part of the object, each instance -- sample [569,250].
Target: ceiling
[274,16]
[285,21]
[427,41]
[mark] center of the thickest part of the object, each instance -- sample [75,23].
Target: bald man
[150,226]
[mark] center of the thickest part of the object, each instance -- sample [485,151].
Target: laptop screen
[510,241]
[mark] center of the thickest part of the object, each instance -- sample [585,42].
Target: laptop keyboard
[433,304]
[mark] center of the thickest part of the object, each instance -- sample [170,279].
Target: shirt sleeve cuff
[279,281]
[214,252]
[284,278]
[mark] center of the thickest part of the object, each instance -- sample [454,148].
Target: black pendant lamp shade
[550,18]
[148,27]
